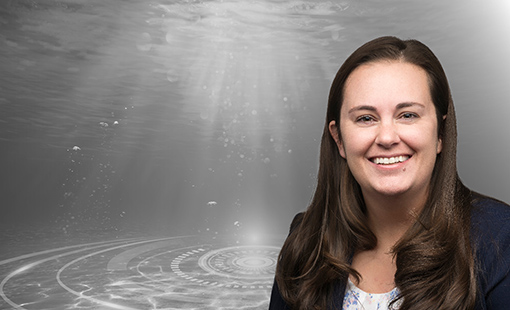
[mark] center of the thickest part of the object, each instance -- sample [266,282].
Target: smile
[389,160]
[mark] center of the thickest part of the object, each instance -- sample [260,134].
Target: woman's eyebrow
[409,104]
[399,106]
[362,107]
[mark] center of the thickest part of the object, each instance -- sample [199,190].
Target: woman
[391,226]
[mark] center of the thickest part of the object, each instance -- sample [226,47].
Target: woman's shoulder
[490,214]
[490,232]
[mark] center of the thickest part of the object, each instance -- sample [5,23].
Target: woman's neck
[389,217]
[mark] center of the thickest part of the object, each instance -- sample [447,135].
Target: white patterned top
[356,299]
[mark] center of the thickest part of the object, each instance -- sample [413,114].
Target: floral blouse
[356,299]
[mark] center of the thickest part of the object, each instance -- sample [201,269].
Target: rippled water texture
[187,272]
[149,148]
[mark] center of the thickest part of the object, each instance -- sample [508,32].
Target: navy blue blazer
[490,230]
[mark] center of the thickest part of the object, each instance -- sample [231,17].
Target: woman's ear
[440,139]
[334,132]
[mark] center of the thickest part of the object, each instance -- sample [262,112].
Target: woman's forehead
[386,82]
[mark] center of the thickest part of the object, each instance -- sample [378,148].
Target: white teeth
[390,160]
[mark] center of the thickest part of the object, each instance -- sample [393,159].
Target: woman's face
[388,129]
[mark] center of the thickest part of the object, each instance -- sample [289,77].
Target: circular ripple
[241,262]
[182,272]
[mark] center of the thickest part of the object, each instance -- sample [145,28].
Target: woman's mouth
[389,160]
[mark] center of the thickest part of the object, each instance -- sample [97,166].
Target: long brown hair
[435,263]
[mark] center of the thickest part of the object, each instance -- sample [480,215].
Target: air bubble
[171,76]
[204,115]
[169,37]
[144,42]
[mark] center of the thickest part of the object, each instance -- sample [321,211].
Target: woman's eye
[409,115]
[366,119]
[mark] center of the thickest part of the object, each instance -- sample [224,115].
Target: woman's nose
[387,135]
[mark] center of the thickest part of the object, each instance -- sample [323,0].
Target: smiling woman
[399,122]
[391,226]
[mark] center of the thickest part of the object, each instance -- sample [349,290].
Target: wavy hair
[434,258]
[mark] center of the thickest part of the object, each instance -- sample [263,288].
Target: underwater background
[154,153]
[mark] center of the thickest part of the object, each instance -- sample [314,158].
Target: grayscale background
[150,119]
